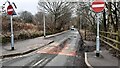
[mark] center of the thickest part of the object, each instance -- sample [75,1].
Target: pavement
[26,46]
[103,61]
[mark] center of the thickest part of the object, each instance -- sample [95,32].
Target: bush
[5,39]
[21,35]
[0,39]
[49,33]
[34,33]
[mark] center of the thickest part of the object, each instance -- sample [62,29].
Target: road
[54,54]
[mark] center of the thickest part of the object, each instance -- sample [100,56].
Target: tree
[26,16]
[86,16]
[60,11]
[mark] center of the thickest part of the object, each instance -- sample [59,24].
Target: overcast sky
[22,5]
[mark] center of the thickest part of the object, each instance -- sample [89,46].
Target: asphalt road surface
[63,55]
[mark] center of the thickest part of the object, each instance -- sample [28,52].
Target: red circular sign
[98,5]
[10,10]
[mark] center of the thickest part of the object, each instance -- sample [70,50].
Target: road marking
[68,53]
[67,47]
[42,64]
[41,52]
[39,62]
[86,61]
[97,5]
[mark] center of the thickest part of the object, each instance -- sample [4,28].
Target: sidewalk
[105,60]
[23,47]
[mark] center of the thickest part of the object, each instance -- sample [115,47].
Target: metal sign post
[98,6]
[97,39]
[12,35]
[11,12]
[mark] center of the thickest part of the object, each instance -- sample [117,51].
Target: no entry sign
[10,10]
[98,5]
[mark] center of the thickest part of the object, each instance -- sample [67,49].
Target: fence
[111,39]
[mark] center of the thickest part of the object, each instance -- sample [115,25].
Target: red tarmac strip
[58,50]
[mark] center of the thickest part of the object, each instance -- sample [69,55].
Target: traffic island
[104,60]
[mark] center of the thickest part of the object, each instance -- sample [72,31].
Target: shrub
[0,39]
[34,33]
[5,39]
[23,35]
[49,33]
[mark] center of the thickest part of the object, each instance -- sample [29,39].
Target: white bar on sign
[10,10]
[97,5]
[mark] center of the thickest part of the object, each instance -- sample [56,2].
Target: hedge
[21,35]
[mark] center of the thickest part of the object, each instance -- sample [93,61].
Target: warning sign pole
[10,12]
[98,6]
[12,35]
[98,37]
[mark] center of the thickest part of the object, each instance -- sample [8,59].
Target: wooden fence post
[119,36]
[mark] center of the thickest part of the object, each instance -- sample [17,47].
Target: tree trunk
[116,25]
[78,24]
[104,21]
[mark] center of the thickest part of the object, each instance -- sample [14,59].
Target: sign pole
[11,12]
[97,39]
[98,6]
[12,35]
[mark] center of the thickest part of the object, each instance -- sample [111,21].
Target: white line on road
[86,61]
[39,62]
[45,62]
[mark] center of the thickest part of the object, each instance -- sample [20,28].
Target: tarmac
[25,46]
[103,61]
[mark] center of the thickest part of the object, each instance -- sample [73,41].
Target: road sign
[14,13]
[10,10]
[98,5]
